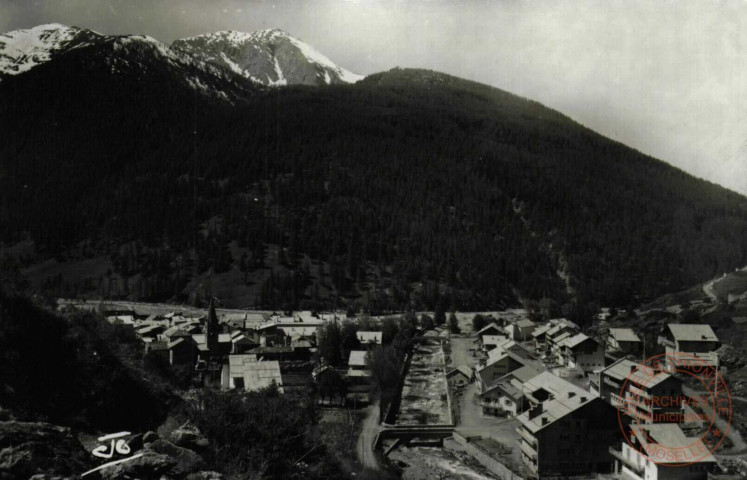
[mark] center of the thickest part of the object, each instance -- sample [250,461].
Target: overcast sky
[666,77]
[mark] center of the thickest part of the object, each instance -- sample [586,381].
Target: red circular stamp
[665,421]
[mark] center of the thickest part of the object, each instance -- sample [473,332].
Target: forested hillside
[409,188]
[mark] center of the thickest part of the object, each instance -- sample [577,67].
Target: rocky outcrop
[48,452]
[189,436]
[151,465]
[205,476]
[149,437]
[30,449]
[159,458]
[186,461]
[730,357]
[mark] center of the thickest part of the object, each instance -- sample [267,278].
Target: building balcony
[632,465]
[643,402]
[528,437]
[611,382]
[702,358]
[527,450]
[617,401]
[637,391]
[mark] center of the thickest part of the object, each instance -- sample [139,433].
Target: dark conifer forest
[409,189]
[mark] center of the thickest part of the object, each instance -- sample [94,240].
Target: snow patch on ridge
[279,72]
[314,56]
[220,45]
[22,50]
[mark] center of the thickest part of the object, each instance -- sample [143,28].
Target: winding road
[708,290]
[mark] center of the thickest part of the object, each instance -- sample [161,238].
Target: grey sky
[666,77]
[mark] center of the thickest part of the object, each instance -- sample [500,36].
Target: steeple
[213,327]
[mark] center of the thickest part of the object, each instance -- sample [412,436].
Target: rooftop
[370,337]
[541,330]
[561,337]
[502,345]
[358,358]
[176,332]
[566,398]
[516,378]
[278,349]
[669,436]
[202,338]
[235,361]
[243,339]
[464,369]
[576,340]
[624,335]
[509,387]
[635,372]
[692,333]
[487,328]
[258,375]
[492,339]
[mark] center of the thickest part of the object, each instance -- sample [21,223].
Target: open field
[462,352]
[734,283]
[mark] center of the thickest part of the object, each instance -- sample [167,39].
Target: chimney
[535,411]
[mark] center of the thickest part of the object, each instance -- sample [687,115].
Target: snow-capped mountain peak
[270,57]
[22,50]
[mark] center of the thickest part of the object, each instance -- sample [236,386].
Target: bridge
[404,434]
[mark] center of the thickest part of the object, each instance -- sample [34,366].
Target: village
[519,399]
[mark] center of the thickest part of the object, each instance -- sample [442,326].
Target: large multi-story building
[496,368]
[567,430]
[662,452]
[685,343]
[546,341]
[582,352]
[645,395]
[521,330]
[625,341]
[505,397]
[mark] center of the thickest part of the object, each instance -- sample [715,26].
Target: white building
[661,452]
[580,351]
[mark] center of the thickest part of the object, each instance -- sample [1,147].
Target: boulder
[205,476]
[186,461]
[150,437]
[730,357]
[33,448]
[45,476]
[189,436]
[135,442]
[149,466]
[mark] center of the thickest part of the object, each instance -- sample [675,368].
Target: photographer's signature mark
[107,450]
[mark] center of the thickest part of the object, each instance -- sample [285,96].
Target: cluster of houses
[574,425]
[572,395]
[250,355]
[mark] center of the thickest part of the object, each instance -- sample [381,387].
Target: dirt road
[708,290]
[367,437]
